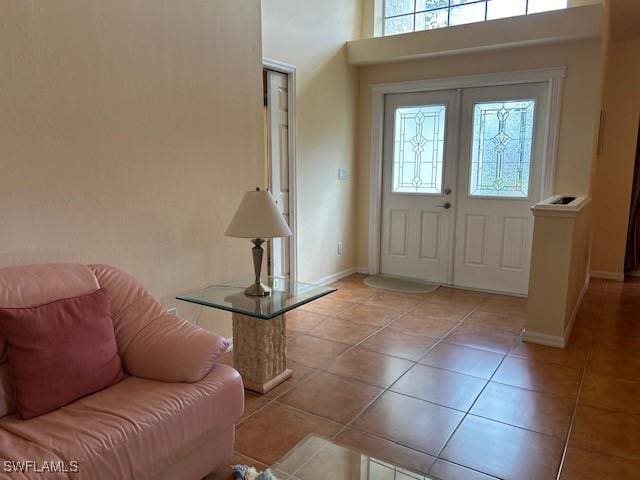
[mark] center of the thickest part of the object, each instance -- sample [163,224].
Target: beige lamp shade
[258,217]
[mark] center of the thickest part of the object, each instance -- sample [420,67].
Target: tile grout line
[582,379]
[324,366]
[439,341]
[388,389]
[331,362]
[439,456]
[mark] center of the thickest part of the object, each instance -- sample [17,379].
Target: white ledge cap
[561,206]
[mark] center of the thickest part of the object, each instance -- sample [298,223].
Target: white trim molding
[290,71]
[552,76]
[555,207]
[334,277]
[543,339]
[469,81]
[617,276]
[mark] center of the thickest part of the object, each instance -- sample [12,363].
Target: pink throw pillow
[60,351]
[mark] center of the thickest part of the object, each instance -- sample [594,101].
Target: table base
[263,388]
[260,351]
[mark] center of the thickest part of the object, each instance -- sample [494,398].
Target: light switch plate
[342,173]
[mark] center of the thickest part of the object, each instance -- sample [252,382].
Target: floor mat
[399,284]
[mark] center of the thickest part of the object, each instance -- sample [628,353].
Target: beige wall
[559,270]
[129,132]
[615,165]
[579,267]
[580,106]
[312,38]
[549,276]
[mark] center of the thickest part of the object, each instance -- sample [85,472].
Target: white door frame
[553,76]
[290,72]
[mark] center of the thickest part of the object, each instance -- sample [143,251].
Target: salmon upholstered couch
[172,417]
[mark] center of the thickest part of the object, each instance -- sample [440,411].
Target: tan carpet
[399,284]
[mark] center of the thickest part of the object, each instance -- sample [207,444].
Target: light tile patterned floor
[442,383]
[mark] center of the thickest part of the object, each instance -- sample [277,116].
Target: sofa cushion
[60,351]
[151,343]
[31,285]
[138,427]
[173,350]
[132,306]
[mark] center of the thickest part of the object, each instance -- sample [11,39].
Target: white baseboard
[362,270]
[543,339]
[334,277]
[619,277]
[557,340]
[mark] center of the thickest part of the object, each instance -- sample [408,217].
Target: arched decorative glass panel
[418,149]
[501,149]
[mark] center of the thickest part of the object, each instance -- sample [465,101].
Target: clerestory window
[403,16]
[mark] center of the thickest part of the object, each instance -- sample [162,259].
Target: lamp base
[258,290]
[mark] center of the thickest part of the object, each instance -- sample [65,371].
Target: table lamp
[258,218]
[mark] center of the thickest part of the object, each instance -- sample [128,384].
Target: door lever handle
[445,205]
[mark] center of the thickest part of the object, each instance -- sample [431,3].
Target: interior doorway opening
[632,255]
[280,161]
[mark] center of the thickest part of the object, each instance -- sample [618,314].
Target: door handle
[445,205]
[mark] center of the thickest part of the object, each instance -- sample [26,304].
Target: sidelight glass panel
[418,149]
[502,148]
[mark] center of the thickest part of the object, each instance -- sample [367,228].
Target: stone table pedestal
[260,351]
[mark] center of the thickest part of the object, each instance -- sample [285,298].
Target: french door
[461,170]
[418,180]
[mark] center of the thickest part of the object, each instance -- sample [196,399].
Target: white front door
[278,153]
[418,178]
[459,182]
[502,145]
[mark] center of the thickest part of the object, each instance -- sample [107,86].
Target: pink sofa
[173,417]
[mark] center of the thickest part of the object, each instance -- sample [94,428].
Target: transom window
[403,16]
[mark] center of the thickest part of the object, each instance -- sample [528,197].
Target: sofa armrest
[170,349]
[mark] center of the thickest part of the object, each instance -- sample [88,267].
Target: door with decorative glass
[418,179]
[502,139]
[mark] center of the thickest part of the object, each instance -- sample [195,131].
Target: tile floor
[442,384]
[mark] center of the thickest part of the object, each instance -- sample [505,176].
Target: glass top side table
[259,325]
